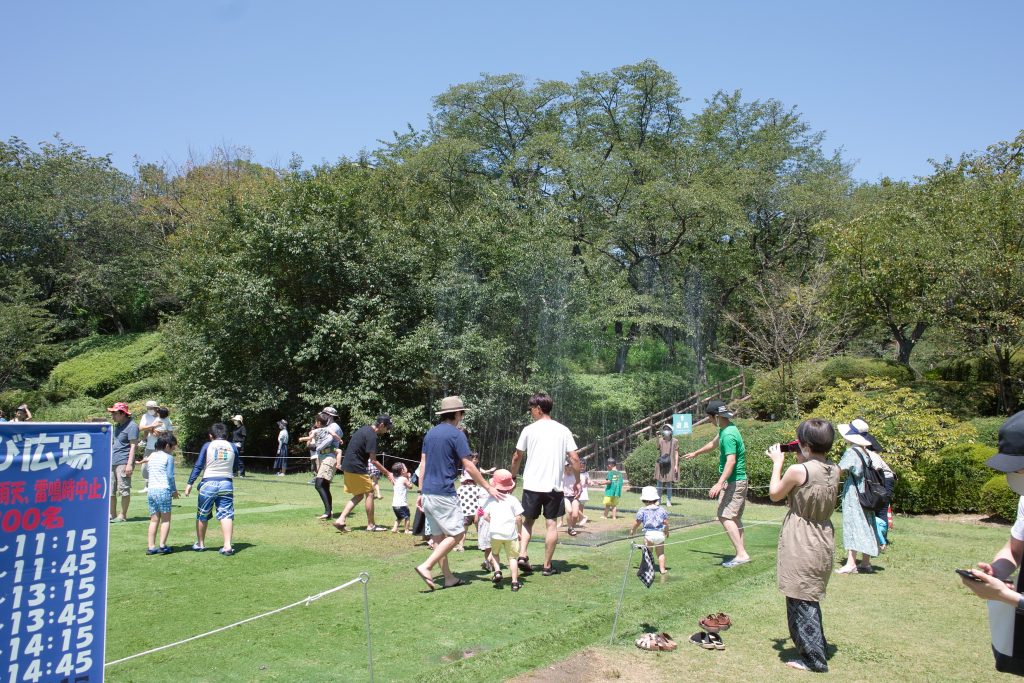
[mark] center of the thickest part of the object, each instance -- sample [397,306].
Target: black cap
[385,420]
[719,408]
[1010,457]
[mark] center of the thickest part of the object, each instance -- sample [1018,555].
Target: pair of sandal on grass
[711,625]
[656,642]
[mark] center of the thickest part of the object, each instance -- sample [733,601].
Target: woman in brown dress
[666,467]
[807,539]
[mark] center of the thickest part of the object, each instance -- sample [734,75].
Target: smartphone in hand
[967,574]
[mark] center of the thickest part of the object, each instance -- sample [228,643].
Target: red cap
[119,406]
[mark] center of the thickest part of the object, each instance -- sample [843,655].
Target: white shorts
[654,537]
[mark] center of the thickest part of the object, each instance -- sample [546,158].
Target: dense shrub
[772,398]
[908,426]
[804,390]
[953,478]
[963,399]
[988,430]
[998,500]
[639,465]
[106,363]
[82,409]
[852,368]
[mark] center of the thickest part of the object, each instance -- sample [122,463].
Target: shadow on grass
[790,653]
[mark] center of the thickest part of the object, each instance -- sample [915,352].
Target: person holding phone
[989,580]
[807,539]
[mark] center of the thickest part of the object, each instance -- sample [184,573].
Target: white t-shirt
[148,420]
[1017,530]
[400,499]
[546,443]
[503,515]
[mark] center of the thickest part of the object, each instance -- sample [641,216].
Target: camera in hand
[791,447]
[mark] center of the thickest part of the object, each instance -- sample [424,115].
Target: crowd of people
[555,486]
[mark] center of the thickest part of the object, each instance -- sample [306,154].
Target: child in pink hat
[504,520]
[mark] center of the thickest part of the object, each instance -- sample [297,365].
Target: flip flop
[716,641]
[427,579]
[458,582]
[734,563]
[699,638]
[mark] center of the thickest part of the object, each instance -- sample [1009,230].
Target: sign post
[54,528]
[682,424]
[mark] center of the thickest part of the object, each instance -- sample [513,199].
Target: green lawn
[912,619]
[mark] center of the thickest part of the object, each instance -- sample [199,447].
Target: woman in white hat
[858,523]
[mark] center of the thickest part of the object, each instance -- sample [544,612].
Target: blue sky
[892,83]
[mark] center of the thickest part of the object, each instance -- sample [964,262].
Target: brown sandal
[666,642]
[724,621]
[648,641]
[710,624]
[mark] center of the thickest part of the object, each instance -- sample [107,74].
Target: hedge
[810,379]
[998,500]
[951,481]
[107,363]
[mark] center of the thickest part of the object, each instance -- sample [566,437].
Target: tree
[886,263]
[979,207]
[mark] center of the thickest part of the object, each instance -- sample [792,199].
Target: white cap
[152,404]
[649,493]
[236,418]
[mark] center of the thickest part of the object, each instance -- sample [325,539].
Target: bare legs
[734,529]
[161,521]
[442,546]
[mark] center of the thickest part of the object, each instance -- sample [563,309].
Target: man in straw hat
[445,449]
[546,444]
[731,487]
[238,439]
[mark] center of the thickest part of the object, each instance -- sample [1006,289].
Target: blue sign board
[682,423]
[54,527]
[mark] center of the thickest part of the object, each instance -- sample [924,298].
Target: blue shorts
[219,493]
[401,513]
[159,500]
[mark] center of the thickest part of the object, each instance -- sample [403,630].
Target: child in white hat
[654,520]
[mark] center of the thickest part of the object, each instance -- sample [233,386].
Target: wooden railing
[620,443]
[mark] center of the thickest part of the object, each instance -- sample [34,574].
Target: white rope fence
[363,578]
[636,546]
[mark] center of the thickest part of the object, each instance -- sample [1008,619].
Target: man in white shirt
[546,443]
[147,428]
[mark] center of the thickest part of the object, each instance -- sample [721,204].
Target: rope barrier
[363,578]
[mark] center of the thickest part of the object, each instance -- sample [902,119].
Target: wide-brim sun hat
[237,418]
[854,435]
[719,408]
[1010,457]
[649,494]
[330,411]
[452,404]
[503,481]
[152,404]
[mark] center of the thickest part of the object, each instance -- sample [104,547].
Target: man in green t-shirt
[731,488]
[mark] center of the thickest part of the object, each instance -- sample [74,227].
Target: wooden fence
[621,443]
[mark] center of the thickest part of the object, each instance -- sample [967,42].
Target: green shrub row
[110,363]
[804,389]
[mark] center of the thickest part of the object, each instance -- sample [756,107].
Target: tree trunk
[624,346]
[905,343]
[1007,396]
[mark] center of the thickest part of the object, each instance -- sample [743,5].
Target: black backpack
[876,495]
